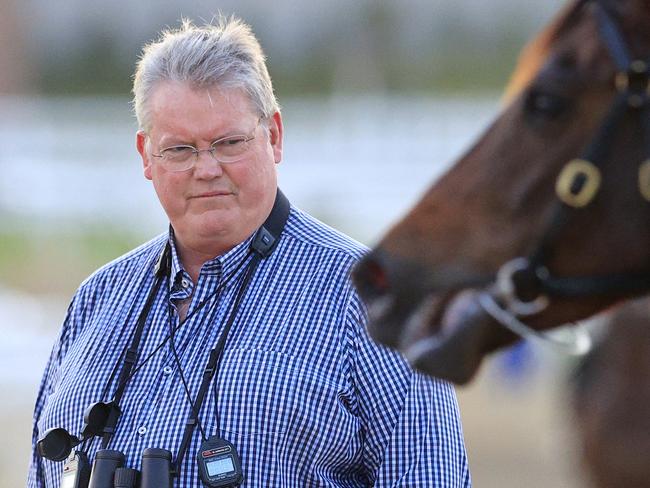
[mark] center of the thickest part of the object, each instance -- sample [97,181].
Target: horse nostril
[371,278]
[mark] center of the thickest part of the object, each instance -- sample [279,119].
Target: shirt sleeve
[412,427]
[35,477]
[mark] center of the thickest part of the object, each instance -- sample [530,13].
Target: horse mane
[535,52]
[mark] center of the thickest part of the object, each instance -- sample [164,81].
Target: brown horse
[612,399]
[544,221]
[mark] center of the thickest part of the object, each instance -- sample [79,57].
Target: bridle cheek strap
[644,167]
[525,285]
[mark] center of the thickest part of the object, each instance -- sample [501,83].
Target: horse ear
[533,55]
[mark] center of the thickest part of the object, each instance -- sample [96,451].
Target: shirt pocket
[265,392]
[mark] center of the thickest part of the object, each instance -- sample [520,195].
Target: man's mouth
[213,194]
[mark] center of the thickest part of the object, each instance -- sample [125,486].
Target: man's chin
[216,223]
[208,227]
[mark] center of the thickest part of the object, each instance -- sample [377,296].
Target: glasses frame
[192,160]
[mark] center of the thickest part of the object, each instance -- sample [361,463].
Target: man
[239,327]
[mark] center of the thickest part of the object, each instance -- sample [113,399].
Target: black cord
[209,374]
[130,352]
[161,269]
[263,244]
[216,406]
[120,359]
[180,369]
[83,447]
[210,315]
[200,306]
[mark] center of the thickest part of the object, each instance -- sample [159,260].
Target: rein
[524,285]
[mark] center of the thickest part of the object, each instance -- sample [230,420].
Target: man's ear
[141,145]
[275,135]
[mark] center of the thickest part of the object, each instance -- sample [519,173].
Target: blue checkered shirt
[301,391]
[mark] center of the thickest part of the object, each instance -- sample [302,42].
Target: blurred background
[378,97]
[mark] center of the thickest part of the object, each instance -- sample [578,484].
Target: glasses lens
[178,158]
[177,153]
[230,149]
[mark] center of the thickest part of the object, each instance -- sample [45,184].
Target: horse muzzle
[441,330]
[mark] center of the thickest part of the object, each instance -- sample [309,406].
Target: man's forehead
[178,103]
[169,94]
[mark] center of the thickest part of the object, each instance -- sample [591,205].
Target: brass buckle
[626,81]
[565,180]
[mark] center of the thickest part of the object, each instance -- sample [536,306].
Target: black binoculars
[108,471]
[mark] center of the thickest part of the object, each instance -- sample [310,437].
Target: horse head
[545,219]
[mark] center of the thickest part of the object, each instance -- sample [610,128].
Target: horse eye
[545,105]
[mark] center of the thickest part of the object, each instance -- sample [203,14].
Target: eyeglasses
[226,150]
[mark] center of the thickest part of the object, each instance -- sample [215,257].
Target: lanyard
[262,246]
[131,354]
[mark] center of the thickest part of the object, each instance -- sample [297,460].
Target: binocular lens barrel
[125,478]
[106,462]
[156,468]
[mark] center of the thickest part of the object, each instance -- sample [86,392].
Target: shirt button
[142,431]
[185,283]
[167,370]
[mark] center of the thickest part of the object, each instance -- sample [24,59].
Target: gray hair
[225,54]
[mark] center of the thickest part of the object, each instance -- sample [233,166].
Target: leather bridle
[524,286]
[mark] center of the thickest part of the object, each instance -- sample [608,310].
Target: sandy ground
[15,422]
[520,435]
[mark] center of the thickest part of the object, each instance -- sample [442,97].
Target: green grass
[43,261]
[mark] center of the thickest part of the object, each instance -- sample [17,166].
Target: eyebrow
[177,141]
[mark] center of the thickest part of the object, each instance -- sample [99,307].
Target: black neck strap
[267,237]
[161,270]
[263,244]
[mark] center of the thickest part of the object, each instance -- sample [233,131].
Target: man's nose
[206,165]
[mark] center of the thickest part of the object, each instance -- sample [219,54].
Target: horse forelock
[534,54]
